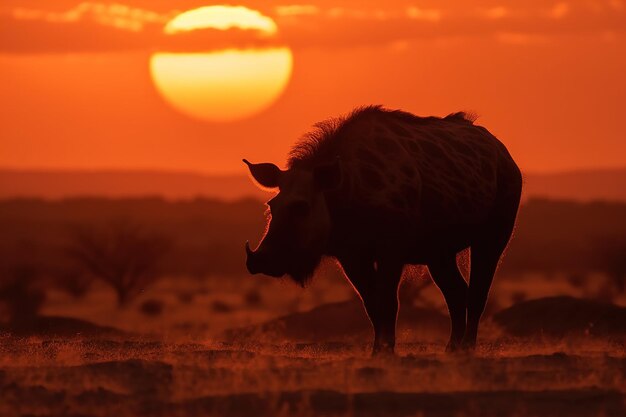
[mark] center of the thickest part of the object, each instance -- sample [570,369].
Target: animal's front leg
[382,309]
[377,284]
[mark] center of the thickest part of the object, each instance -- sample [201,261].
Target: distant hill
[583,185]
[116,184]
[575,185]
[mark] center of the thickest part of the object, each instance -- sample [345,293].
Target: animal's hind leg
[448,278]
[485,256]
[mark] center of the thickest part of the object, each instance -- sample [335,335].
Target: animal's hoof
[453,347]
[468,345]
[383,352]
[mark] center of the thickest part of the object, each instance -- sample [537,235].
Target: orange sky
[546,77]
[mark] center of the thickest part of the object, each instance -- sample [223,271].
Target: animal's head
[298,223]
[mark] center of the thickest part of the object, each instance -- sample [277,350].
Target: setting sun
[222,86]
[227,85]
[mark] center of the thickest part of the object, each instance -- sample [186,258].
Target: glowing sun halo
[224,85]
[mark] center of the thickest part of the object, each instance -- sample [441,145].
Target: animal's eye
[299,208]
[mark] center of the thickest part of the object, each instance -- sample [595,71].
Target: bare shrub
[21,294]
[73,281]
[221,307]
[253,298]
[152,307]
[122,255]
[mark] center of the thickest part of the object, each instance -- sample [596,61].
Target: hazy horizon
[581,185]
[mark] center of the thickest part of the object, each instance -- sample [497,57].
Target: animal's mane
[319,143]
[462,116]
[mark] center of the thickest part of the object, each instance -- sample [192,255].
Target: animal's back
[440,169]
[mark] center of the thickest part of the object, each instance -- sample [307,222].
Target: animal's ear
[328,176]
[266,174]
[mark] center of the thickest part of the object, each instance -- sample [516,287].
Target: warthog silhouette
[380,189]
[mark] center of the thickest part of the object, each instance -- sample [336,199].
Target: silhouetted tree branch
[123,255]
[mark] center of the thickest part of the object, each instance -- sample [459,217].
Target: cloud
[99,26]
[497,12]
[423,14]
[117,15]
[297,10]
[559,10]
[513,24]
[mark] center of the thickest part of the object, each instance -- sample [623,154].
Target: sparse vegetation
[123,255]
[152,307]
[21,295]
[551,236]
[219,306]
[252,297]
[304,349]
[73,281]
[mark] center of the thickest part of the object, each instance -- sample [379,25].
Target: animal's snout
[252,260]
[260,262]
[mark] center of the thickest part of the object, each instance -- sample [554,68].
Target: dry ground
[148,378]
[187,360]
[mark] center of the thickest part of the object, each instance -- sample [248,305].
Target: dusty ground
[144,378]
[292,354]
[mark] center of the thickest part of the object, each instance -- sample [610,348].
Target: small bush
[73,282]
[21,295]
[253,298]
[152,307]
[221,307]
[185,297]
